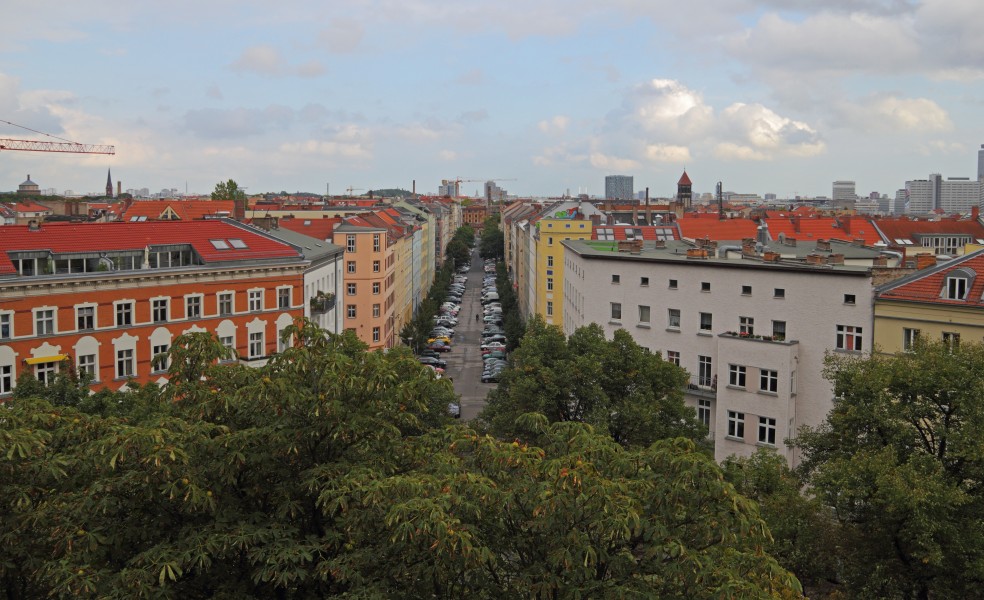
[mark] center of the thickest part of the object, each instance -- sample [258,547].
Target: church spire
[109,183]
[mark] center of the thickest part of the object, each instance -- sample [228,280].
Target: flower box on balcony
[322,302]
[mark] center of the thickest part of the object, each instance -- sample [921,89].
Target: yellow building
[564,221]
[938,303]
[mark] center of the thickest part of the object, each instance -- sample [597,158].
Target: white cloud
[892,114]
[768,133]
[612,163]
[324,148]
[732,151]
[557,124]
[447,155]
[665,153]
[268,61]
[669,109]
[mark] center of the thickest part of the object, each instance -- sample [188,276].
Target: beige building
[751,328]
[938,303]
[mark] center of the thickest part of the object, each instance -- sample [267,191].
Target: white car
[493,346]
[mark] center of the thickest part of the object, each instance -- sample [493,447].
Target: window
[616,278]
[124,363]
[44,322]
[283,342]
[375,288]
[779,293]
[124,314]
[6,379]
[550,241]
[705,286]
[159,310]
[746,325]
[849,299]
[644,281]
[256,344]
[375,310]
[159,361]
[350,266]
[736,424]
[705,321]
[375,334]
[705,374]
[779,330]
[350,243]
[85,318]
[704,412]
[375,242]
[849,338]
[225,303]
[909,338]
[550,261]
[549,308]
[375,266]
[228,343]
[255,300]
[674,318]
[350,311]
[736,375]
[769,381]
[673,284]
[350,289]
[87,364]
[6,326]
[643,314]
[45,372]
[549,284]
[956,287]
[767,431]
[237,243]
[672,356]
[616,311]
[746,290]
[951,340]
[193,307]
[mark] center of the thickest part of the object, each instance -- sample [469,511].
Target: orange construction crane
[63,146]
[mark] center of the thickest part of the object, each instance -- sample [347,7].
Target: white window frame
[223,298]
[255,296]
[190,304]
[746,325]
[673,318]
[91,316]
[86,363]
[849,338]
[673,356]
[376,287]
[6,325]
[256,345]
[769,381]
[45,320]
[767,431]
[704,411]
[737,375]
[376,311]
[375,266]
[645,314]
[123,308]
[705,371]
[155,306]
[350,311]
[616,311]
[350,242]
[375,334]
[45,372]
[126,363]
[710,321]
[284,291]
[376,242]
[6,379]
[350,266]
[909,338]
[956,288]
[736,425]
[550,308]
[162,366]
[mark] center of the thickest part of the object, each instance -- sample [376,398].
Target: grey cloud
[238,122]
[341,36]
[473,116]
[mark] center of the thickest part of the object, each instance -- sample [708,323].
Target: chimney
[796,223]
[649,211]
[595,220]
[33,225]
[791,242]
[816,259]
[924,261]
[823,245]
[975,212]
[846,224]
[880,261]
[119,188]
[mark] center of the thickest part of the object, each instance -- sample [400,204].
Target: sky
[547,96]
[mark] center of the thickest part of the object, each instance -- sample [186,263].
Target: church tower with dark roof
[685,194]
[109,184]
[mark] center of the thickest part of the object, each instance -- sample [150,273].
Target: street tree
[615,385]
[228,190]
[900,462]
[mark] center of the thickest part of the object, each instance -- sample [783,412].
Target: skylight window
[237,243]
[219,244]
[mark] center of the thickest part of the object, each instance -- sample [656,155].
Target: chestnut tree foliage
[333,471]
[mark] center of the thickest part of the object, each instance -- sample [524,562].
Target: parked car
[431,361]
[455,410]
[439,347]
[492,345]
[501,354]
[430,353]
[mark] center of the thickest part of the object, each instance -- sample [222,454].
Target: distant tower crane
[63,146]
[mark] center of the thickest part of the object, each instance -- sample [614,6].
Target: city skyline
[768,97]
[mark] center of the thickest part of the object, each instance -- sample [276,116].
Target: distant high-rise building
[494,193]
[952,195]
[619,187]
[844,194]
[980,164]
[449,187]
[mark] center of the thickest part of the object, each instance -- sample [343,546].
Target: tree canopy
[336,471]
[228,190]
[616,385]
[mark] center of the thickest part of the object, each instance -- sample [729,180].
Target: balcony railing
[322,303]
[703,386]
[750,336]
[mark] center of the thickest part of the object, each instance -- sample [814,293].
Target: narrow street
[465,358]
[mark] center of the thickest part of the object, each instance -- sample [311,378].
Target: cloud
[30,109]
[342,36]
[237,122]
[473,116]
[470,77]
[267,61]
[612,163]
[768,133]
[665,153]
[732,151]
[892,114]
[556,124]
[667,108]
[447,155]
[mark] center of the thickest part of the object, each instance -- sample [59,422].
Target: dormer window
[957,284]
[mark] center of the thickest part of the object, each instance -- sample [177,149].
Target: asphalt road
[465,358]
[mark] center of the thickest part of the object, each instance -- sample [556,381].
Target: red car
[439,347]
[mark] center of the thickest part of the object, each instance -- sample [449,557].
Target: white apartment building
[951,195]
[751,329]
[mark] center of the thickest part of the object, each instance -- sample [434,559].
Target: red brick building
[107,298]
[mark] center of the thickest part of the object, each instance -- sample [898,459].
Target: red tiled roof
[844,228]
[28,206]
[929,287]
[905,228]
[715,229]
[105,237]
[187,210]
[316,228]
[684,179]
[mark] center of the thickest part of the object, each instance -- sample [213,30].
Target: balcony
[776,339]
[322,302]
[705,387]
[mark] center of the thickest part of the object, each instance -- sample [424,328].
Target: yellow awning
[46,359]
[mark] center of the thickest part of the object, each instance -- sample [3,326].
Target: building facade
[950,195]
[109,299]
[751,329]
[619,187]
[369,298]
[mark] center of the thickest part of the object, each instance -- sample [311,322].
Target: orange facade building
[369,299]
[108,298]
